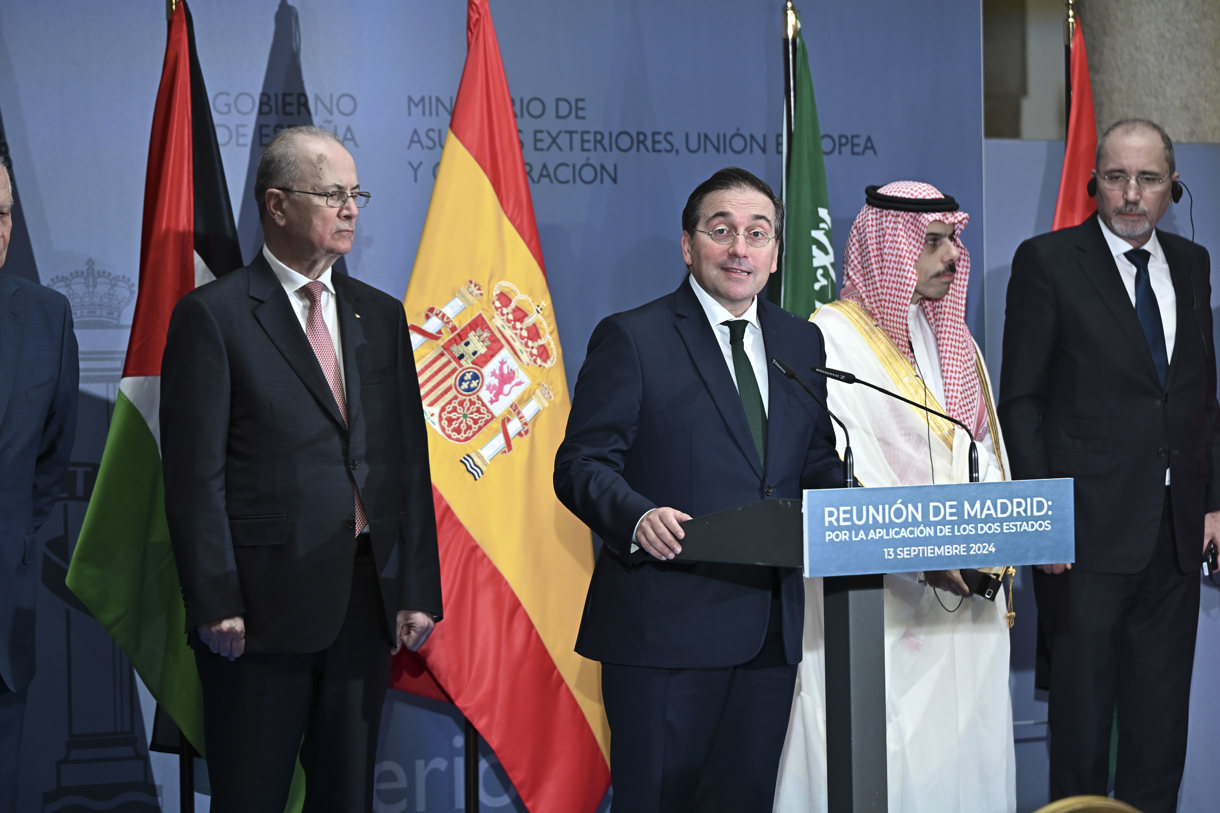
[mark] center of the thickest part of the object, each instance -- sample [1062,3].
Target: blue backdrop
[622,109]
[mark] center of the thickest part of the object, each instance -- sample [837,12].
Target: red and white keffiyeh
[879,275]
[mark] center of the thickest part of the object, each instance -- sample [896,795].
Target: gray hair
[280,164]
[1137,124]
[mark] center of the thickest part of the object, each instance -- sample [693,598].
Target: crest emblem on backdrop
[479,376]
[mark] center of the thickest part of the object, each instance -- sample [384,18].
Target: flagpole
[186,774]
[471,768]
[186,751]
[1070,32]
[791,26]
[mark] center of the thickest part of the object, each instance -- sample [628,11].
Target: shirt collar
[716,313]
[1119,247]
[293,281]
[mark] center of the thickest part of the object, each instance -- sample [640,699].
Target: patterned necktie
[747,386]
[324,349]
[1148,313]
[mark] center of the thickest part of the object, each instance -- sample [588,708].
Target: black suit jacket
[38,393]
[1079,396]
[259,467]
[656,421]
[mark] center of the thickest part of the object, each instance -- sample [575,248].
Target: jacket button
[353,465]
[768,491]
[1162,453]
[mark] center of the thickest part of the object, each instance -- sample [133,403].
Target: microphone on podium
[849,466]
[849,378]
[980,582]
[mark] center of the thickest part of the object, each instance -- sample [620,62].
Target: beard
[1127,229]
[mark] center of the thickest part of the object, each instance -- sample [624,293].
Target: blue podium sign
[899,529]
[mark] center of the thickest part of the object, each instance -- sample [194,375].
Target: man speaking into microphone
[900,325]
[675,415]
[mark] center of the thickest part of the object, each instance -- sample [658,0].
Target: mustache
[1130,209]
[950,268]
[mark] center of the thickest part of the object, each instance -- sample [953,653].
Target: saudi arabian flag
[807,276]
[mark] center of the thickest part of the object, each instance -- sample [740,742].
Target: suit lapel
[778,436]
[274,313]
[10,341]
[1184,293]
[705,353]
[351,333]
[1100,270]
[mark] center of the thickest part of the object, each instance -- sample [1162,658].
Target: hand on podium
[660,531]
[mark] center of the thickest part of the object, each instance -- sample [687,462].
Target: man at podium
[675,416]
[900,325]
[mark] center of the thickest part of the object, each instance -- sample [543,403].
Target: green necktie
[747,386]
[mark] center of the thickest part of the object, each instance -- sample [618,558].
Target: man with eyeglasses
[900,324]
[1109,377]
[673,416]
[298,494]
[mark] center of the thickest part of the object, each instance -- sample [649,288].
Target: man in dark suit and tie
[1109,377]
[38,392]
[674,415]
[298,494]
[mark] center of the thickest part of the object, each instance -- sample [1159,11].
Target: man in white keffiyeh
[901,325]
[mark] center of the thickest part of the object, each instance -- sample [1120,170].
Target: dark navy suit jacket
[38,393]
[1080,397]
[259,466]
[657,421]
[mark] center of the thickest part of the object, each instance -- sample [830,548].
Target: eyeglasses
[335,198]
[1146,181]
[755,238]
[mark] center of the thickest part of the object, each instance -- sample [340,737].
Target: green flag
[807,273]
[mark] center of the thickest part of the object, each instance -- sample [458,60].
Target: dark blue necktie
[1148,313]
[747,386]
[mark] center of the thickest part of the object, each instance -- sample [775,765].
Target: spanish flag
[514,563]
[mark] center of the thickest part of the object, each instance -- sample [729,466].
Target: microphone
[849,466]
[849,378]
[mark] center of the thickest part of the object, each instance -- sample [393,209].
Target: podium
[772,530]
[771,533]
[852,537]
